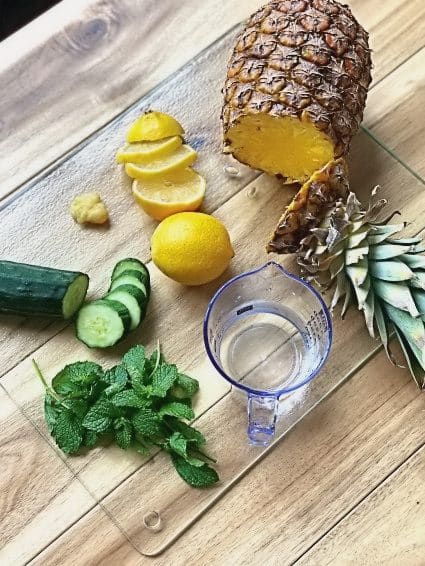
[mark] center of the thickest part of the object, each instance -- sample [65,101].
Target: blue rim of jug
[279,392]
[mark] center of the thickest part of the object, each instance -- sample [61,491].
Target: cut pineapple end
[280,146]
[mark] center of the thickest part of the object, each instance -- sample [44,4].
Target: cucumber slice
[126,279]
[131,297]
[103,323]
[129,264]
[134,267]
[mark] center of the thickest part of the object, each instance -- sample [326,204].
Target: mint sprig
[141,403]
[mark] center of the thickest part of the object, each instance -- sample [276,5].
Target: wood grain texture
[40,216]
[93,59]
[333,458]
[103,469]
[343,450]
[103,55]
[95,540]
[396,109]
[39,496]
[386,528]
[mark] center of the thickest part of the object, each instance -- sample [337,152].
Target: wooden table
[346,485]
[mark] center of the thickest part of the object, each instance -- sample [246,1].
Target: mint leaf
[140,447]
[186,386]
[134,362]
[163,379]
[51,411]
[90,438]
[195,476]
[75,380]
[129,398]
[146,422]
[190,433]
[175,409]
[67,431]
[117,377]
[99,416]
[178,443]
[123,432]
[78,406]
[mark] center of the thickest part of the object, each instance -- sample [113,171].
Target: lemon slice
[154,126]
[161,166]
[144,151]
[180,191]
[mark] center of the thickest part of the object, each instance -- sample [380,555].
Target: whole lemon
[191,247]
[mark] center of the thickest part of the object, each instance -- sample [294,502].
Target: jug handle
[262,414]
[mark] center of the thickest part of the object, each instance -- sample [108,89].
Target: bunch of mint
[142,402]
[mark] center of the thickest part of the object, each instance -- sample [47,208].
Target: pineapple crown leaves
[361,257]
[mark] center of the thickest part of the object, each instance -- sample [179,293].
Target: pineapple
[296,87]
[365,262]
[309,205]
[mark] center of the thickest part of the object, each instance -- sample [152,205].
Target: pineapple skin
[309,206]
[305,59]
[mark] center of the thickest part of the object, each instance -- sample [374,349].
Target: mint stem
[44,382]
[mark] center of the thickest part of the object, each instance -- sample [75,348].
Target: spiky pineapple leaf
[414,366]
[347,300]
[412,329]
[406,241]
[413,261]
[383,331]
[397,295]
[419,298]
[342,288]
[361,292]
[357,237]
[358,273]
[387,251]
[418,280]
[369,313]
[354,255]
[386,230]
[390,270]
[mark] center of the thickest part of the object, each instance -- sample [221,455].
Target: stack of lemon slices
[160,164]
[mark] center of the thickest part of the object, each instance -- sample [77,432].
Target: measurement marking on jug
[244,309]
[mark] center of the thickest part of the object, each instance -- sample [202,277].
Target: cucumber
[132,298]
[33,290]
[128,278]
[103,323]
[133,267]
[131,264]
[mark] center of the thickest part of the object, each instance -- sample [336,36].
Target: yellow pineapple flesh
[296,87]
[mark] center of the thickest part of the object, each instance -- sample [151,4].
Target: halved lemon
[144,151]
[154,126]
[179,159]
[180,191]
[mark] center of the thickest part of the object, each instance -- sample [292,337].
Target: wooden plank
[103,469]
[40,216]
[41,219]
[39,496]
[100,57]
[396,108]
[135,45]
[331,460]
[387,22]
[93,540]
[386,528]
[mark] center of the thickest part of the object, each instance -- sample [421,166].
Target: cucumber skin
[31,290]
[133,292]
[137,294]
[140,271]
